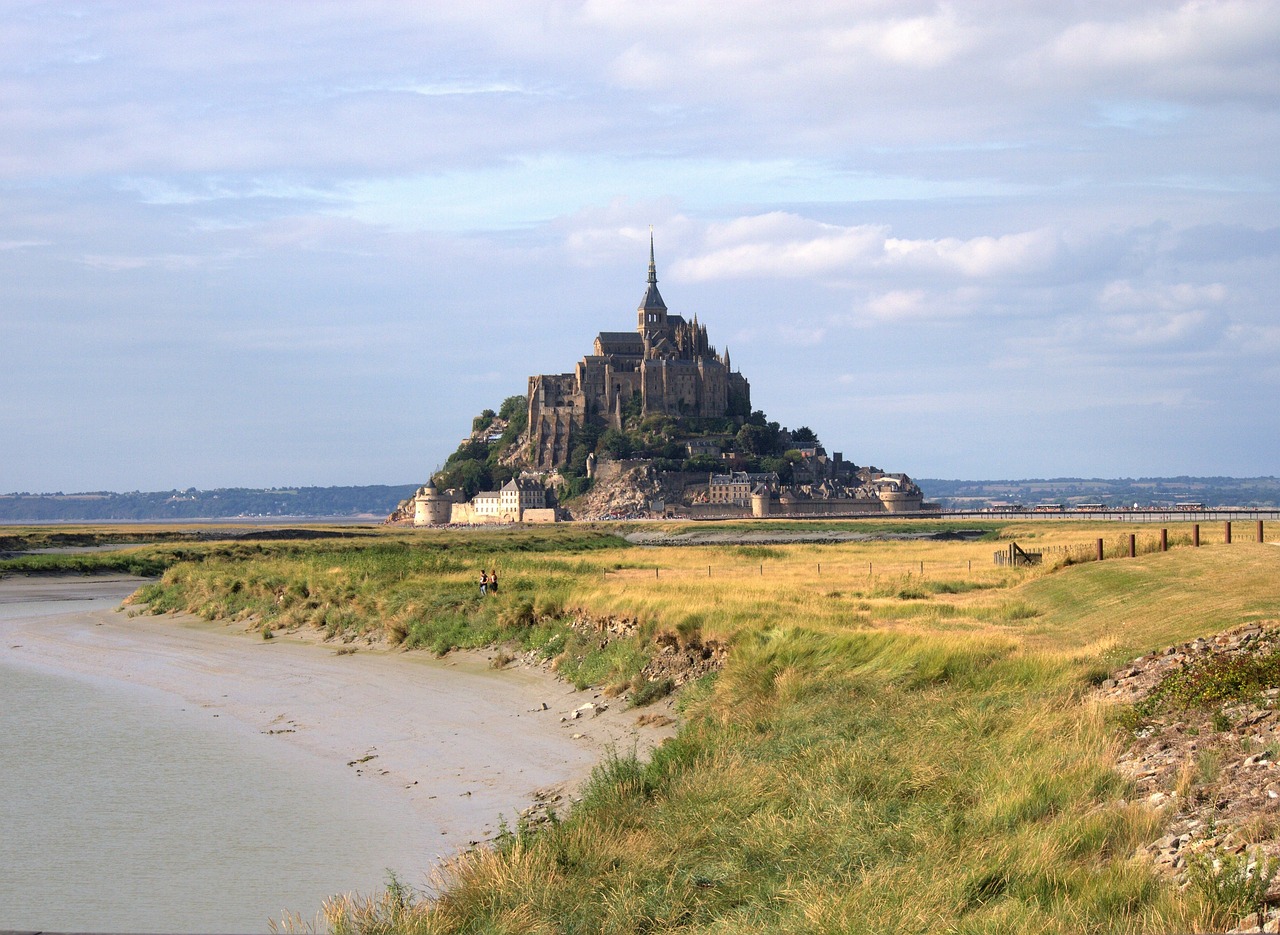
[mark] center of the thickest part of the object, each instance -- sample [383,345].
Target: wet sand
[461,743]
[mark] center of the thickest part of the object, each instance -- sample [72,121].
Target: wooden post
[762,569]
[1164,540]
[1260,539]
[1228,532]
[922,569]
[655,571]
[708,571]
[1195,535]
[819,569]
[1099,550]
[1133,545]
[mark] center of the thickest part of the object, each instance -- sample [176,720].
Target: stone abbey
[666,366]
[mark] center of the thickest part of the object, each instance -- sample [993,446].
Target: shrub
[650,691]
[1214,681]
[517,615]
[1231,886]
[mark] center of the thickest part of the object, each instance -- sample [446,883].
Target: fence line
[1118,546]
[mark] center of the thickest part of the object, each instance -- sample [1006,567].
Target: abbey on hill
[666,365]
[653,422]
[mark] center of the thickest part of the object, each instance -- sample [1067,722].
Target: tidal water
[121,811]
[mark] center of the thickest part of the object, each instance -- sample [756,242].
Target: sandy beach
[460,742]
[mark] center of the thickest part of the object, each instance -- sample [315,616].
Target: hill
[1258,492]
[223,503]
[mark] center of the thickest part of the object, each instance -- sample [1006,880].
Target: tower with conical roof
[651,316]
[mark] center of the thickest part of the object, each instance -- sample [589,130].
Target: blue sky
[248,244]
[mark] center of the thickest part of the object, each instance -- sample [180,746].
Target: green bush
[1232,886]
[650,691]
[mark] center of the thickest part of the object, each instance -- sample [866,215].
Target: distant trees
[805,436]
[375,499]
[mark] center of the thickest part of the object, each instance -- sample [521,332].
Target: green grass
[884,749]
[86,563]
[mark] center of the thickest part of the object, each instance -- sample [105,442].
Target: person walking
[493,581]
[484,583]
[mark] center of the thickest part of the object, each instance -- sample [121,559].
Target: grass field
[904,736]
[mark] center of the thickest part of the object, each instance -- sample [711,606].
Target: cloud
[919,306]
[1197,46]
[1124,294]
[1156,330]
[1075,194]
[782,244]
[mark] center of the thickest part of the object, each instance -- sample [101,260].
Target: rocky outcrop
[628,494]
[1214,772]
[679,657]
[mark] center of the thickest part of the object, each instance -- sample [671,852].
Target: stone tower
[651,315]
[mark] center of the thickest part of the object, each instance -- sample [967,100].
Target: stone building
[665,366]
[736,487]
[519,501]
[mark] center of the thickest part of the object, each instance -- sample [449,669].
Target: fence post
[762,569]
[819,569]
[922,569]
[655,571]
[1228,532]
[1260,539]
[1099,550]
[708,571]
[1133,545]
[1195,535]
[1164,540]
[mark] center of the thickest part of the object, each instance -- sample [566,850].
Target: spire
[653,267]
[653,298]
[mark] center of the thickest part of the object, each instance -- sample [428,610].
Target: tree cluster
[478,463]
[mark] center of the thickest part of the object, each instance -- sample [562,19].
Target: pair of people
[488,582]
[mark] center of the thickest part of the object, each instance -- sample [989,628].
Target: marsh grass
[865,759]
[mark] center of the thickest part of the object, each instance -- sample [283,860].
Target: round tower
[431,508]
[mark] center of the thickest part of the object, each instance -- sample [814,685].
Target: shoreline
[461,743]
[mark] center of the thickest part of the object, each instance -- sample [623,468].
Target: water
[121,811]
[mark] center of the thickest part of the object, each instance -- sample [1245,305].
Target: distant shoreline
[371,504]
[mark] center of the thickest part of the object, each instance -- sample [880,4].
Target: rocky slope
[1213,771]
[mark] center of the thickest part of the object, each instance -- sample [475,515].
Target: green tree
[757,440]
[779,466]
[513,405]
[704,463]
[614,443]
[466,474]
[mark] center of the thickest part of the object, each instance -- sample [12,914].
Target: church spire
[652,313]
[653,267]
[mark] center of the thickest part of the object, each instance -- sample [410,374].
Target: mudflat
[462,743]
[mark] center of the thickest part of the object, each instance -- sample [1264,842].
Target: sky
[269,244]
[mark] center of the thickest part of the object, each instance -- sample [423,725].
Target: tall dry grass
[887,749]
